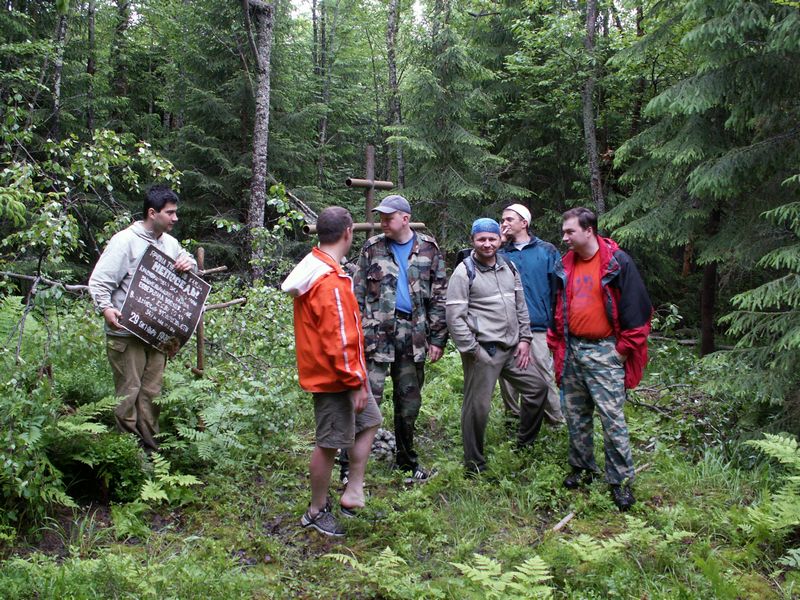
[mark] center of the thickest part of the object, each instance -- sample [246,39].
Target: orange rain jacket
[329,341]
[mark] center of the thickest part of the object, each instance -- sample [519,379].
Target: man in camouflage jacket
[400,285]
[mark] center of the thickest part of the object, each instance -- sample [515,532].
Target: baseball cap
[392,204]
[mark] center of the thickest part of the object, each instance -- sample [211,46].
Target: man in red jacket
[599,343]
[329,344]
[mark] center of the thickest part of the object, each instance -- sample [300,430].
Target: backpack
[465,256]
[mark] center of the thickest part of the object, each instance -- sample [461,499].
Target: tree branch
[36,280]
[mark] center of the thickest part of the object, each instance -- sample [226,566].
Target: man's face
[575,236]
[513,226]
[394,224]
[164,220]
[486,245]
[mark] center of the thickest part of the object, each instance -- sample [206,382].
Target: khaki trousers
[480,376]
[138,372]
[542,362]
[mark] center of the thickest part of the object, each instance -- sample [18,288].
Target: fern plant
[527,580]
[779,514]
[165,486]
[390,575]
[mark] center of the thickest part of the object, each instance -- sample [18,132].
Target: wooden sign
[163,306]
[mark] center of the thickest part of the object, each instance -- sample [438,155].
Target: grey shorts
[337,422]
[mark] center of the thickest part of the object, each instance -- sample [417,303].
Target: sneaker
[622,496]
[419,475]
[577,478]
[323,521]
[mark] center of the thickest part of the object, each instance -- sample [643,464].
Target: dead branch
[653,407]
[68,287]
[226,304]
[560,525]
[205,272]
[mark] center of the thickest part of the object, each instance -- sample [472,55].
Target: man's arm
[339,333]
[360,279]
[635,308]
[457,309]
[108,273]
[522,353]
[436,311]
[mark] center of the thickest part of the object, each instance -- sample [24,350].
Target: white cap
[521,211]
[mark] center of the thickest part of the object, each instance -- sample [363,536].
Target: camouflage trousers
[407,379]
[594,376]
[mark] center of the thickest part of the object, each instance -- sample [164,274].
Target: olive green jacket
[375,286]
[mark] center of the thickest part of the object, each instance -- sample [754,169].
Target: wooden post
[200,332]
[370,185]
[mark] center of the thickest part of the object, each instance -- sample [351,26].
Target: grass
[240,538]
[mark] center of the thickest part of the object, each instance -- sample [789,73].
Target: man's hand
[112,315]
[434,353]
[359,398]
[183,264]
[523,354]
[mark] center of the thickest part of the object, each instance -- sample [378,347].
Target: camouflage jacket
[375,286]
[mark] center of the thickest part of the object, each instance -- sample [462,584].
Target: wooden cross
[370,184]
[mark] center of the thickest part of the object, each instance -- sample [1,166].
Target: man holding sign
[137,367]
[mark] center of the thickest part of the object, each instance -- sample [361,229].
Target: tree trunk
[119,46]
[58,70]
[589,128]
[707,301]
[327,34]
[708,293]
[264,14]
[641,83]
[395,116]
[91,66]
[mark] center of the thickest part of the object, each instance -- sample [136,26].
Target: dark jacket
[536,266]
[627,304]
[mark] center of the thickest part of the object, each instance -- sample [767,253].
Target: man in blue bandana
[488,321]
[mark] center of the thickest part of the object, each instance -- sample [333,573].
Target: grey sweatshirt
[111,278]
[492,309]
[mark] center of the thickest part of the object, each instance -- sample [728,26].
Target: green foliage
[766,319]
[525,581]
[81,537]
[779,514]
[390,575]
[167,487]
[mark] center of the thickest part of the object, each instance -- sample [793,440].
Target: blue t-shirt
[401,253]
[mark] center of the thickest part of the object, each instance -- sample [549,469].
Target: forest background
[678,121]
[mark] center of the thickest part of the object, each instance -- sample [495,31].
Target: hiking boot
[419,475]
[323,521]
[577,478]
[622,496]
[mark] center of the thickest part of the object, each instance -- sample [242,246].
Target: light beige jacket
[490,309]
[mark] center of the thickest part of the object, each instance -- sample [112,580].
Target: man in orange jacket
[330,364]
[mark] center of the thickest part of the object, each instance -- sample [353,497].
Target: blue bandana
[485,225]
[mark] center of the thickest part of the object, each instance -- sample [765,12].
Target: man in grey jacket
[488,321]
[138,368]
